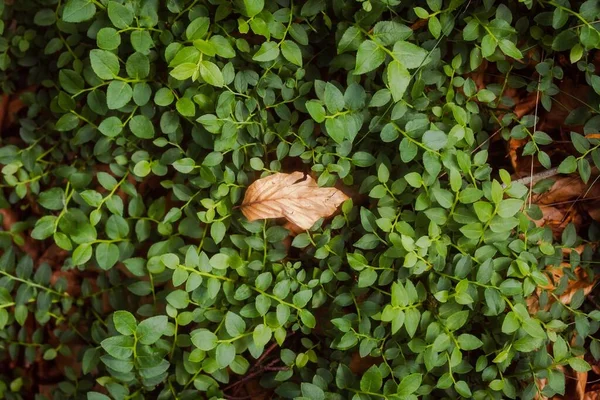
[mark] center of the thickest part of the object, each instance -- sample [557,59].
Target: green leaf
[178,299]
[107,255]
[111,126]
[311,391]
[67,122]
[82,254]
[371,380]
[307,318]
[211,73]
[141,41]
[488,46]
[118,94]
[204,339]
[363,159]
[184,71]
[579,365]
[78,11]
[350,40]
[337,129]
[197,28]
[141,127]
[20,314]
[44,17]
[52,199]
[184,165]
[97,396]
[291,52]
[108,39]
[509,48]
[462,388]
[409,384]
[217,231]
[316,110]
[568,165]
[150,330]
[44,227]
[185,106]
[268,51]
[511,323]
[90,361]
[137,66]
[585,169]
[369,57]
[70,81]
[120,15]
[398,79]
[253,7]
[509,207]
[261,335]
[435,140]
[486,96]
[302,298]
[389,32]
[104,63]
[124,322]
[225,354]
[120,347]
[163,97]
[234,324]
[409,55]
[469,342]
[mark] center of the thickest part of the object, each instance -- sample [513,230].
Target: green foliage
[148,120]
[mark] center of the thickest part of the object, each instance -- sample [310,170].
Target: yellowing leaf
[292,196]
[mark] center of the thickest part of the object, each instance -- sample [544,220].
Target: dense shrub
[145,121]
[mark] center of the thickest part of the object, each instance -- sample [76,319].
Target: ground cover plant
[451,255]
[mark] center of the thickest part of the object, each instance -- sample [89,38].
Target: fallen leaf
[594,394]
[555,274]
[295,197]
[557,219]
[564,189]
[581,379]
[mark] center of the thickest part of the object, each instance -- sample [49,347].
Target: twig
[246,378]
[533,179]
[265,354]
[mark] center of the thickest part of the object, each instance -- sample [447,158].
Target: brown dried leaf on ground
[566,188]
[593,394]
[295,197]
[581,378]
[514,145]
[558,219]
[582,282]
[569,200]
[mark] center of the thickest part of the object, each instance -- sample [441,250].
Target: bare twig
[534,178]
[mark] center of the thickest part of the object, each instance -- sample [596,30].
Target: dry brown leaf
[581,378]
[557,219]
[593,394]
[555,274]
[564,189]
[295,197]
